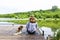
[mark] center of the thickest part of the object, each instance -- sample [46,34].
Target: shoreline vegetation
[52,23]
[54,12]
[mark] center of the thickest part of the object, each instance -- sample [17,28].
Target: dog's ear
[18,27]
[21,26]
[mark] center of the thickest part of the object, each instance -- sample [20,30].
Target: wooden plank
[6,33]
[22,37]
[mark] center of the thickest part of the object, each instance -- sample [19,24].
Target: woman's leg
[30,32]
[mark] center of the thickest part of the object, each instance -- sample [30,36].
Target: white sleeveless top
[32,27]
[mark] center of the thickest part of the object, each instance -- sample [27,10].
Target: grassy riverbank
[54,24]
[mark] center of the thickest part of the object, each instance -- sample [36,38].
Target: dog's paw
[18,33]
[15,34]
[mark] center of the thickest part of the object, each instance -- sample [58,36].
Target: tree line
[50,13]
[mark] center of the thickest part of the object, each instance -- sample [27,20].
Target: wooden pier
[22,37]
[7,31]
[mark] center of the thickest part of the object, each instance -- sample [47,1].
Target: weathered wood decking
[24,37]
[6,34]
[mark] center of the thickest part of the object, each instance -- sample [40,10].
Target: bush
[58,35]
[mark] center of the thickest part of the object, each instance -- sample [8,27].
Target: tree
[54,8]
[56,16]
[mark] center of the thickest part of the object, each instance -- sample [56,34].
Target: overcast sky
[11,6]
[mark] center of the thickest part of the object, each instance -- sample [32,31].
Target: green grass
[54,24]
[19,21]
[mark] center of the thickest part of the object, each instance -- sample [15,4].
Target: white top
[32,26]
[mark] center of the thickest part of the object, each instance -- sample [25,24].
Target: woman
[31,25]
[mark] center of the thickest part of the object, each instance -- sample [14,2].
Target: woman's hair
[32,19]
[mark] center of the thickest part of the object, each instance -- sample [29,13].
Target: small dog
[19,31]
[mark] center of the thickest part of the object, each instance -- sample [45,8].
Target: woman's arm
[27,25]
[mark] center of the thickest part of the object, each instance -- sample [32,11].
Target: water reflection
[47,31]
